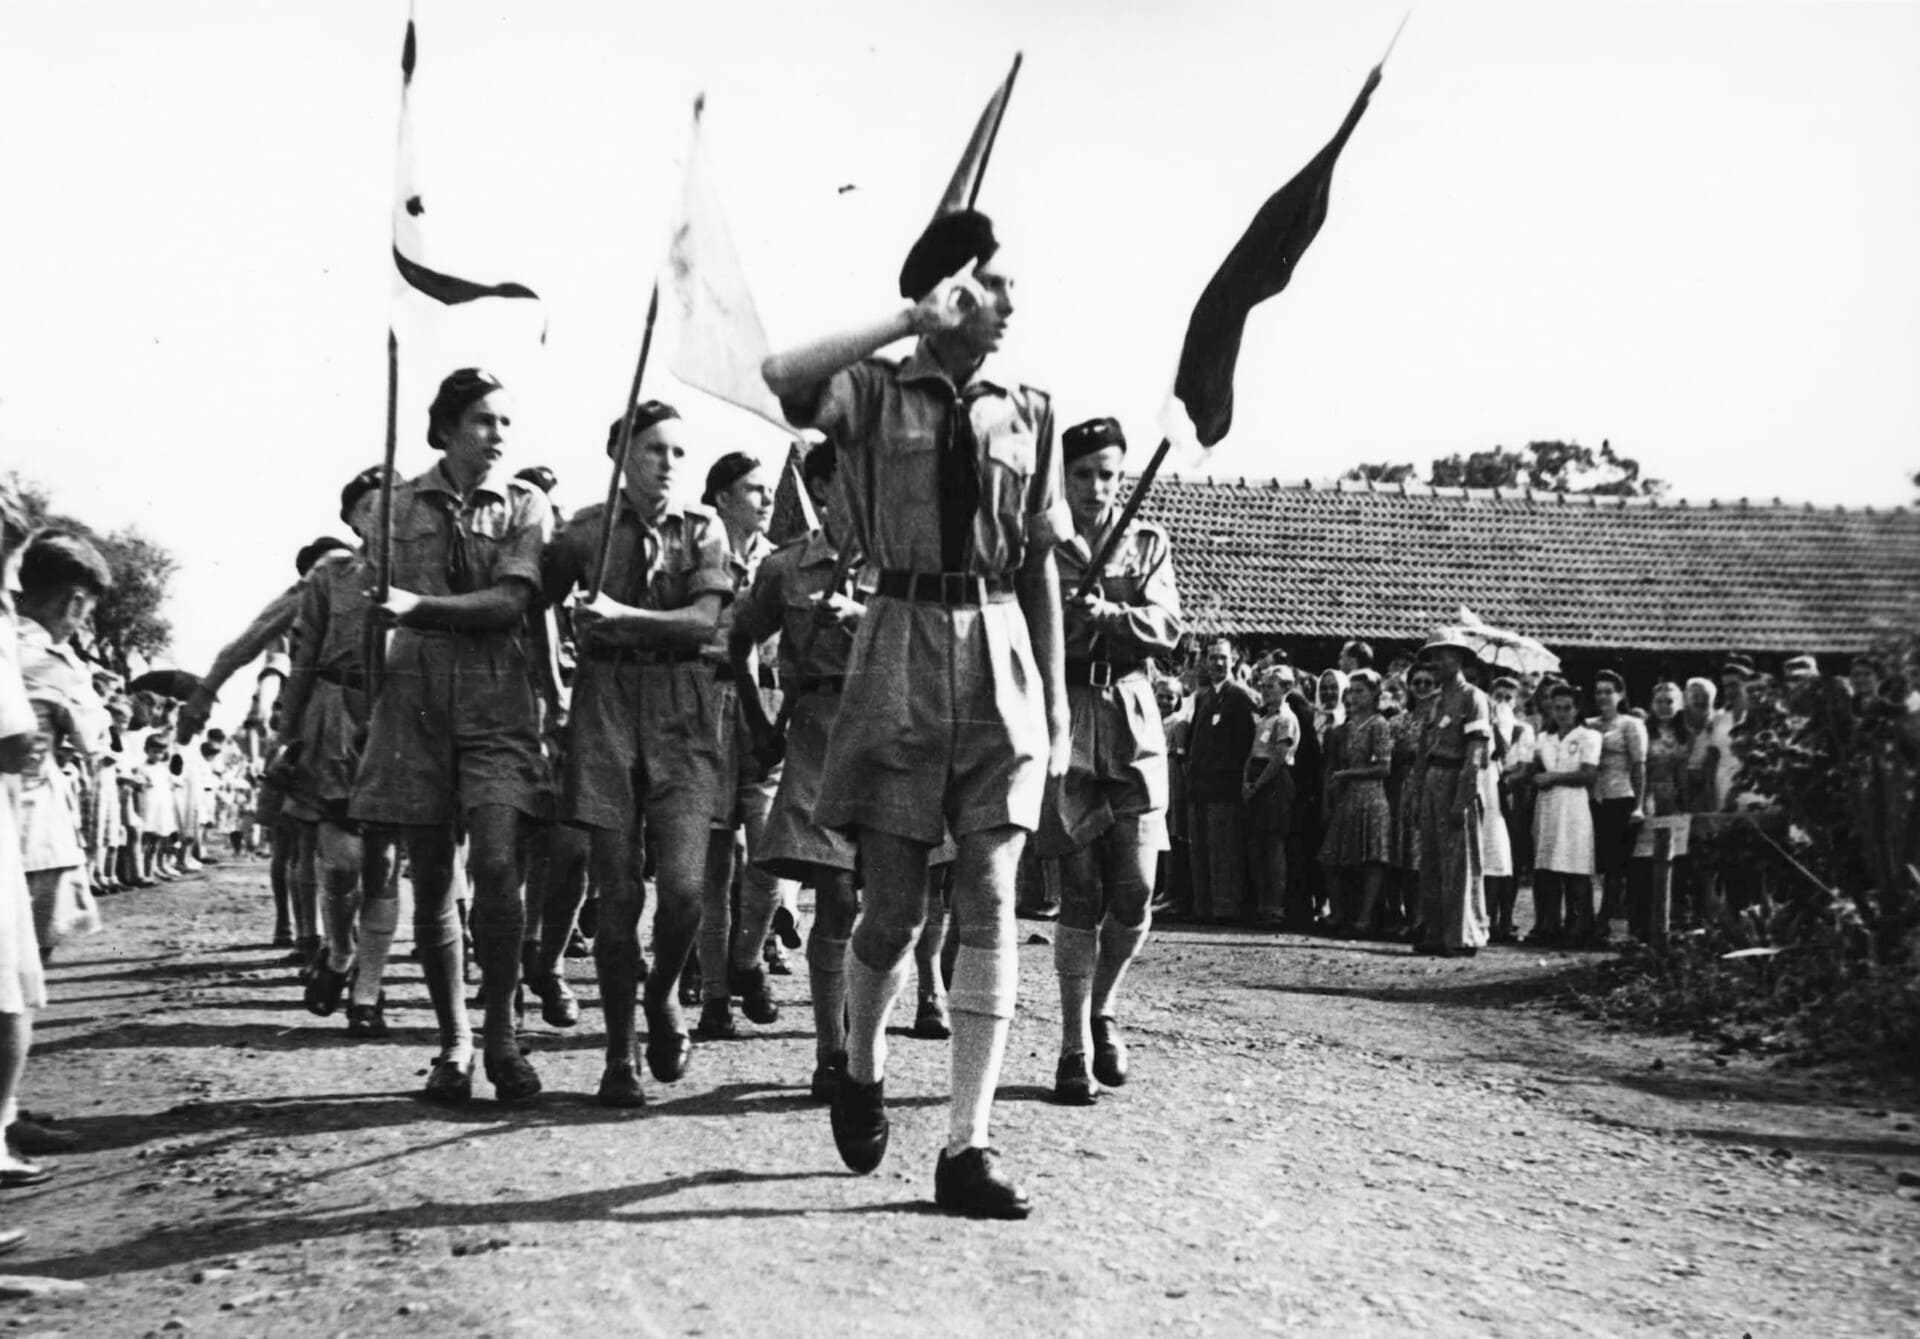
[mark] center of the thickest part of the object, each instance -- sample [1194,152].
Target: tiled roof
[1258,557]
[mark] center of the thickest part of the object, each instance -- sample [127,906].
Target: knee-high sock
[715,935]
[1119,946]
[442,962]
[1074,951]
[871,992]
[377,921]
[340,904]
[759,899]
[616,960]
[497,926]
[986,981]
[827,978]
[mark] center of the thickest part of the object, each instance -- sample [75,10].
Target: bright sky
[1685,227]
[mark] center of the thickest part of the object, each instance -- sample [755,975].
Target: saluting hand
[952,300]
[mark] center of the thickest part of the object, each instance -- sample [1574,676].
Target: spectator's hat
[1738,664]
[1449,639]
[1806,665]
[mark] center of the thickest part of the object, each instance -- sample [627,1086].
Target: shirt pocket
[420,551]
[489,530]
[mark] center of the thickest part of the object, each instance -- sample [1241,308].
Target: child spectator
[1566,760]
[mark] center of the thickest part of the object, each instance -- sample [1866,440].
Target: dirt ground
[1321,1138]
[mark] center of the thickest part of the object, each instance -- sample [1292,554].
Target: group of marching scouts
[885,709]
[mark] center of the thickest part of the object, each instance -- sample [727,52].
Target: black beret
[645,415]
[727,471]
[463,388]
[310,554]
[539,476]
[950,243]
[358,487]
[1096,434]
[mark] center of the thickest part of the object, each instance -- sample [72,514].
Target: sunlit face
[1699,700]
[1505,694]
[1422,684]
[1273,693]
[986,325]
[747,503]
[365,517]
[653,459]
[1361,697]
[1666,702]
[476,443]
[1166,694]
[1606,697]
[1864,679]
[1564,711]
[1329,691]
[1092,482]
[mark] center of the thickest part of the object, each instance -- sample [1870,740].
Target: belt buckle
[1100,674]
[956,588]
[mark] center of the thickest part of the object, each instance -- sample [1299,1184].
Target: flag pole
[621,449]
[1127,512]
[986,154]
[376,651]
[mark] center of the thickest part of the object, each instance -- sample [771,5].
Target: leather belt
[351,679]
[1099,673]
[641,655]
[948,588]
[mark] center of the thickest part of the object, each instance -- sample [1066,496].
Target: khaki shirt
[1461,715]
[888,421]
[506,526]
[661,564]
[329,633]
[1139,576]
[781,601]
[741,571]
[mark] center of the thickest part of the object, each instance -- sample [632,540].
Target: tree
[1381,473]
[128,621]
[1552,467]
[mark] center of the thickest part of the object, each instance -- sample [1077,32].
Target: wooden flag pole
[1119,528]
[376,650]
[621,448]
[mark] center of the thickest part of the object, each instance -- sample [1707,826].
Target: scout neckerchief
[959,479]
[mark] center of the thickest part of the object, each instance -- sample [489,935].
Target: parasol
[1501,648]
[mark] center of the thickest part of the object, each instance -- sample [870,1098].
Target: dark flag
[964,188]
[1259,266]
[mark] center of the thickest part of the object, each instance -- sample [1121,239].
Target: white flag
[721,343]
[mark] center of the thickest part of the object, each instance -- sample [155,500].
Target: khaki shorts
[331,732]
[739,791]
[454,728]
[943,725]
[640,739]
[1119,767]
[795,846]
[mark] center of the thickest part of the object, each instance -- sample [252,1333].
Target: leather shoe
[971,1185]
[668,1049]
[324,990]
[756,996]
[367,1020]
[826,1077]
[1109,1053]
[558,1007]
[449,1083]
[620,1086]
[512,1078]
[716,1022]
[931,1022]
[785,927]
[1072,1084]
[860,1126]
[33,1138]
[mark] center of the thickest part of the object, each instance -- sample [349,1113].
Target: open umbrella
[177,684]
[1503,649]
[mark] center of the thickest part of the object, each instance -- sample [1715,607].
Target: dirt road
[1321,1139]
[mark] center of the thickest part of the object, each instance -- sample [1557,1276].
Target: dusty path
[1321,1139]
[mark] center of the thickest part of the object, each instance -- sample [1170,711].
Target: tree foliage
[1552,467]
[128,621]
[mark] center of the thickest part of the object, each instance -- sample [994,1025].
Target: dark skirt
[1613,834]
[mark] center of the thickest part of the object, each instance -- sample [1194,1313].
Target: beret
[646,414]
[310,554]
[539,476]
[1096,434]
[949,243]
[358,487]
[727,471]
[463,388]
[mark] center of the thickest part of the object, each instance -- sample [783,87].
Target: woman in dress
[1359,840]
[1403,790]
[1566,758]
[1617,792]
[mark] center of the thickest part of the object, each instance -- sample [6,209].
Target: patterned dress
[1361,829]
